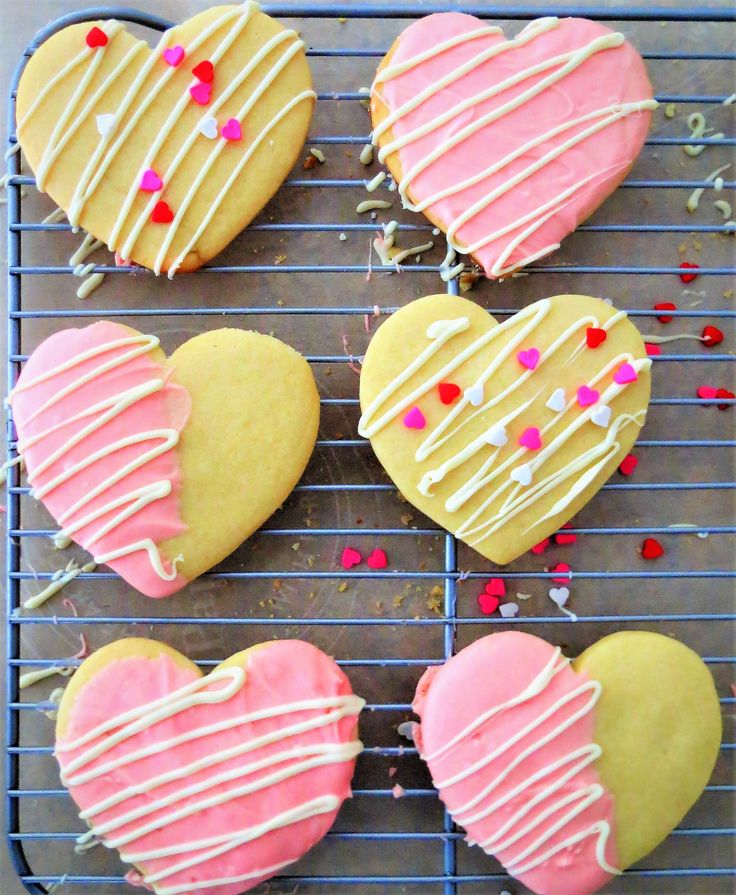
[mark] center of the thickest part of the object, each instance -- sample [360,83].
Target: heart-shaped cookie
[97,110]
[510,459]
[162,467]
[209,783]
[569,772]
[507,144]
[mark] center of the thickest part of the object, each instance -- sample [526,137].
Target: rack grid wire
[386,627]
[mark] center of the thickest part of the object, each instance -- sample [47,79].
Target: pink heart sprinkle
[587,396]
[495,587]
[151,182]
[564,568]
[530,438]
[488,604]
[652,350]
[174,55]
[377,559]
[541,546]
[231,130]
[201,93]
[414,419]
[625,373]
[529,358]
[350,557]
[707,391]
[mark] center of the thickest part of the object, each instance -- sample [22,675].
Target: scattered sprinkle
[414,419]
[342,237]
[488,604]
[688,277]
[651,549]
[711,336]
[559,595]
[509,610]
[669,110]
[665,306]
[564,537]
[350,557]
[377,559]
[652,349]
[563,571]
[725,393]
[495,587]
[706,392]
[541,546]
[406,730]
[628,464]
[371,205]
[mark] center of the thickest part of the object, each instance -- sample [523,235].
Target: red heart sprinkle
[706,392]
[541,546]
[561,567]
[350,557]
[377,560]
[651,549]
[652,350]
[161,213]
[204,71]
[595,337]
[725,393]
[628,464]
[496,587]
[711,336]
[448,392]
[665,306]
[488,604]
[688,277]
[563,538]
[96,37]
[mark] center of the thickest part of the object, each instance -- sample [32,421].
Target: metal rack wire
[687,469]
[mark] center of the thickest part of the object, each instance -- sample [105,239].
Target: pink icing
[488,673]
[168,408]
[284,672]
[610,76]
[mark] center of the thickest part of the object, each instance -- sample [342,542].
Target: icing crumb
[366,154]
[520,596]
[724,207]
[399,256]
[670,110]
[696,124]
[279,259]
[309,163]
[342,237]
[468,279]
[436,231]
[695,196]
[61,578]
[373,184]
[730,100]
[718,184]
[318,154]
[398,792]
[372,205]
[33,677]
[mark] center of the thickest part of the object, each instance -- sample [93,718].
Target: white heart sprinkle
[208,127]
[522,474]
[105,123]
[559,595]
[497,435]
[601,416]
[474,394]
[509,610]
[557,400]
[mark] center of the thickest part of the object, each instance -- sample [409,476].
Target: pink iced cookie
[212,783]
[568,772]
[508,143]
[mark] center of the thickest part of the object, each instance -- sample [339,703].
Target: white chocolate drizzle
[561,66]
[162,809]
[538,787]
[582,470]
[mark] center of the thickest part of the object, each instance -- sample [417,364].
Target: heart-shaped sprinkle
[559,595]
[474,394]
[231,130]
[587,396]
[601,416]
[725,393]
[625,374]
[711,336]
[449,392]
[531,439]
[652,549]
[652,350]
[509,610]
[497,435]
[201,93]
[707,392]
[105,123]
[563,572]
[161,213]
[415,419]
[688,277]
[529,358]
[557,400]
[628,464]
[665,306]
[565,537]
[151,182]
[96,37]
[377,559]
[522,474]
[173,56]
[496,587]
[204,71]
[350,557]
[594,336]
[488,604]
[539,548]
[207,126]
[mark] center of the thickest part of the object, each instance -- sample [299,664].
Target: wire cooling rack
[386,627]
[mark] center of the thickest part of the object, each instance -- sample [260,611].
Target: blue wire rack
[385,650]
